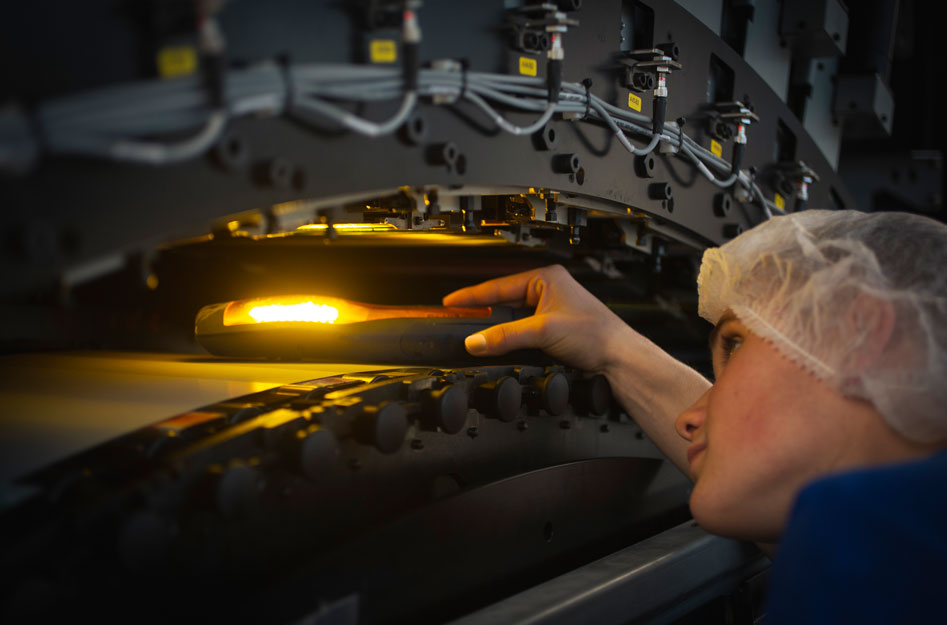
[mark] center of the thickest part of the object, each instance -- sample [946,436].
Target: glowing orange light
[306,311]
[348,227]
[331,310]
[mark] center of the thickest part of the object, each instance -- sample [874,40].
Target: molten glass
[331,310]
[307,311]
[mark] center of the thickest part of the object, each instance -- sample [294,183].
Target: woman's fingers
[505,337]
[520,288]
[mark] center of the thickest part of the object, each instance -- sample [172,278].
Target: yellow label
[527,66]
[634,102]
[383,51]
[176,61]
[716,148]
[779,201]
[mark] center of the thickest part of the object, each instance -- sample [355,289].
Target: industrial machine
[176,173]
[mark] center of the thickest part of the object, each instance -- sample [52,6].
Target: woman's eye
[729,345]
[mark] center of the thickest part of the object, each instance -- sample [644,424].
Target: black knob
[592,395]
[722,204]
[500,399]
[318,453]
[446,409]
[232,152]
[414,130]
[565,163]
[276,172]
[546,139]
[383,426]
[144,541]
[553,392]
[238,490]
[644,165]
[732,230]
[442,153]
[660,191]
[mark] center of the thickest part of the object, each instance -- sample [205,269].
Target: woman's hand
[569,324]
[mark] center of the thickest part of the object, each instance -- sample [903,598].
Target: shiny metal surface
[655,581]
[57,404]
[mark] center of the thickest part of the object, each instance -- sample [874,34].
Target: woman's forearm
[654,388]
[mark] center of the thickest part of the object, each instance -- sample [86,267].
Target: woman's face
[761,432]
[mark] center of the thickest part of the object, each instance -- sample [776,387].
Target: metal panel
[707,11]
[655,581]
[765,52]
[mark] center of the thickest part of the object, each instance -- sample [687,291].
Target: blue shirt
[866,547]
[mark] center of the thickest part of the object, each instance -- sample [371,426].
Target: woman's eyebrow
[712,339]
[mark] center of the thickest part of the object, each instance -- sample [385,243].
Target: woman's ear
[870,322]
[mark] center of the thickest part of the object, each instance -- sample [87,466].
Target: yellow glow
[331,310]
[348,227]
[306,311]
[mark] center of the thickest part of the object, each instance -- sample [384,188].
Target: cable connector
[212,44]
[660,65]
[797,176]
[411,40]
[410,29]
[741,116]
[556,25]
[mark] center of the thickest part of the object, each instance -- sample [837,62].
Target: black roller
[318,453]
[446,409]
[237,491]
[592,396]
[500,399]
[143,542]
[553,393]
[384,427]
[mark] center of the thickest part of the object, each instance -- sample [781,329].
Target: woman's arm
[574,327]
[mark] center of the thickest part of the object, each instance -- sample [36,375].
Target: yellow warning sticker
[716,148]
[383,51]
[779,201]
[527,66]
[176,61]
[634,102]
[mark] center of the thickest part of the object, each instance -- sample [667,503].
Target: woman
[823,436]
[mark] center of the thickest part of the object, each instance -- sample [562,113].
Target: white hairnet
[823,286]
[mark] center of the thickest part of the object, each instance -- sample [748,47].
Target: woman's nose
[692,418]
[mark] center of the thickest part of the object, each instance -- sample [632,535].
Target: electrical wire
[109,122]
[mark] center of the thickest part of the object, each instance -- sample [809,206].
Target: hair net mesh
[820,285]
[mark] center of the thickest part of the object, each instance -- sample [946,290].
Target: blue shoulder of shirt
[869,546]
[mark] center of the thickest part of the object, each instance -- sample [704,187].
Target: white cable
[500,121]
[356,123]
[165,153]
